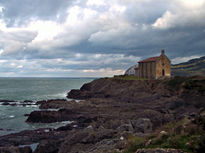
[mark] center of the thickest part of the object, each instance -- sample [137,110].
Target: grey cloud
[20,12]
[141,30]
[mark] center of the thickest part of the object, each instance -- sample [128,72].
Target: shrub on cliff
[187,135]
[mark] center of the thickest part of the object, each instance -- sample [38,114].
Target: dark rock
[15,150]
[84,140]
[28,101]
[48,146]
[77,94]
[58,116]
[57,104]
[158,151]
[48,116]
[28,137]
[40,102]
[65,128]
[14,104]
[112,110]
[5,103]
[143,125]
[10,101]
[86,87]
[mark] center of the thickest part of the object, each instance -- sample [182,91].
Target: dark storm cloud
[97,36]
[20,12]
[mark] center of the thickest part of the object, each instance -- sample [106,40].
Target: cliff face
[140,90]
[128,90]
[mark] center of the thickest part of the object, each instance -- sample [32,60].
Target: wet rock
[10,101]
[26,115]
[28,101]
[6,103]
[48,116]
[57,104]
[40,102]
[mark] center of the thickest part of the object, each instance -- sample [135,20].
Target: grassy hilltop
[190,68]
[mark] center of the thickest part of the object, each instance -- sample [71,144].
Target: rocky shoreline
[110,113]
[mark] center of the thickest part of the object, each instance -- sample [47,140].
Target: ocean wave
[31,106]
[58,95]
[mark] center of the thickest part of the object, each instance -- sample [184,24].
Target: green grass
[175,141]
[133,143]
[176,138]
[127,77]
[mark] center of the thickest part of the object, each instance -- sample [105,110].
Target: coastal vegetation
[127,77]
[187,135]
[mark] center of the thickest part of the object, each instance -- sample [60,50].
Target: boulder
[143,125]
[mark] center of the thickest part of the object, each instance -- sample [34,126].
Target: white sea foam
[33,146]
[50,109]
[34,106]
[46,130]
[67,122]
[11,116]
[78,101]
[63,95]
[36,89]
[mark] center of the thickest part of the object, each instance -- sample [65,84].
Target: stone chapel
[154,67]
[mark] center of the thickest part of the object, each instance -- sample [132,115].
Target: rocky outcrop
[15,150]
[159,151]
[111,111]
[135,90]
[48,146]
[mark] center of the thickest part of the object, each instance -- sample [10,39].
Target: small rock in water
[28,101]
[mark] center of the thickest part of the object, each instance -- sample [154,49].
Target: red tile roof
[151,59]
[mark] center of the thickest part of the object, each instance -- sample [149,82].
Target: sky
[96,38]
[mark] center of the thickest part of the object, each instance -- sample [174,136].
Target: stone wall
[163,64]
[147,70]
[155,67]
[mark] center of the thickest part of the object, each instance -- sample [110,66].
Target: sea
[12,118]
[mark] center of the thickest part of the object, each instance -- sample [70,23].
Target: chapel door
[163,72]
